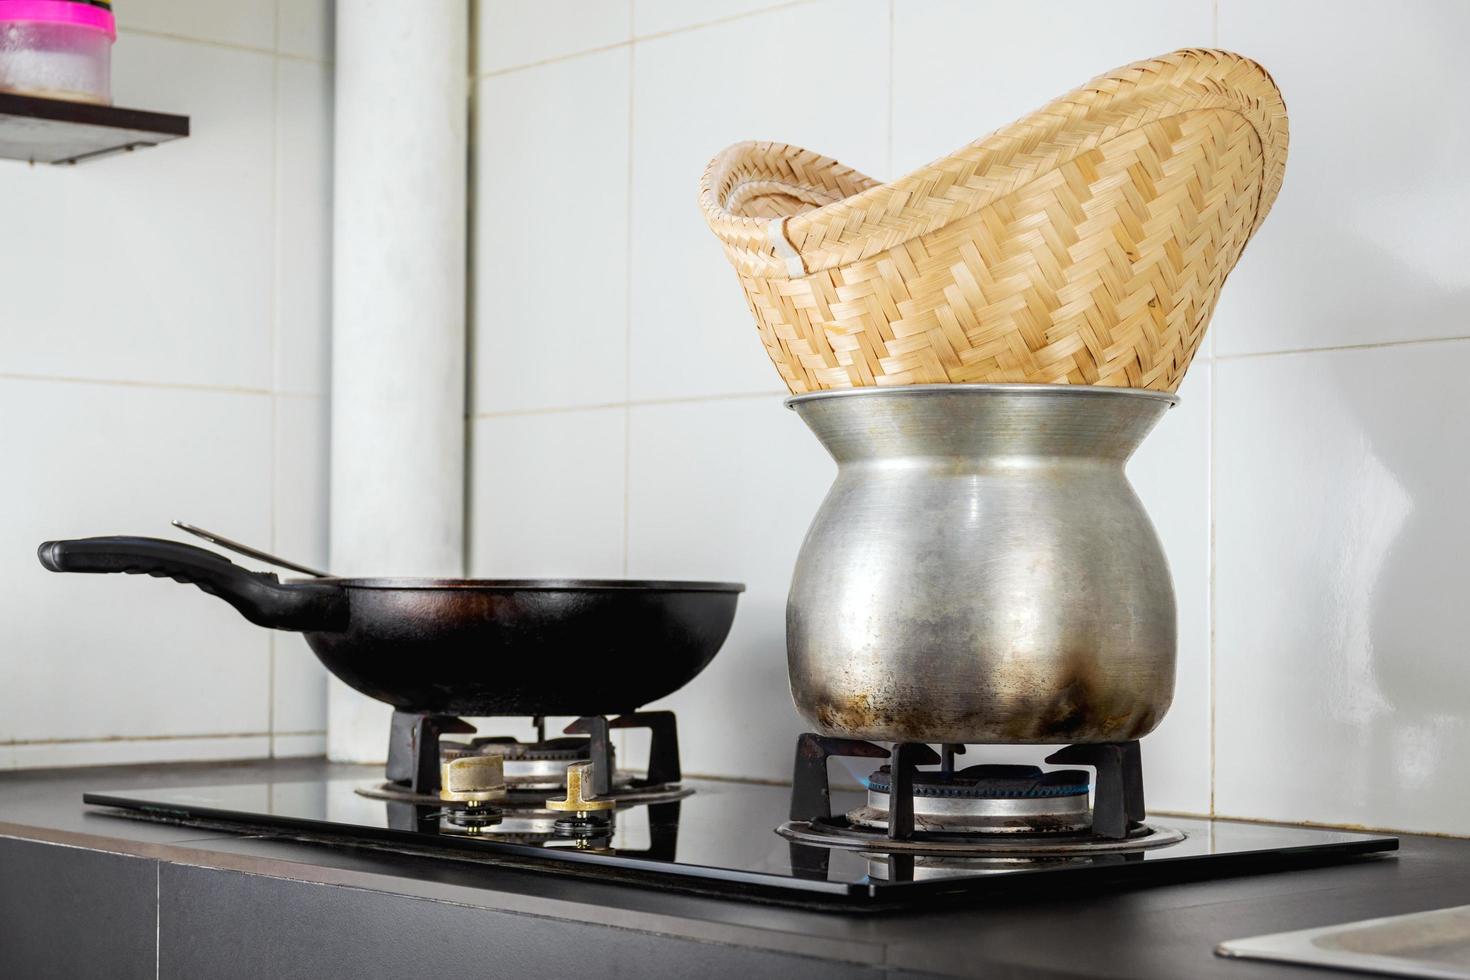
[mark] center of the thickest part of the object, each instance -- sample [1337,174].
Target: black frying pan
[460,646]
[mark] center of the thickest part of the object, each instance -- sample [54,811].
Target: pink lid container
[60,12]
[57,49]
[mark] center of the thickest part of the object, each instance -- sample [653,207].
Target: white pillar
[398,322]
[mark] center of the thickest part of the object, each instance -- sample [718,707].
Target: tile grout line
[471,348]
[1355,828]
[631,403]
[222,45]
[639,38]
[892,43]
[553,60]
[1370,345]
[628,309]
[247,390]
[273,466]
[129,739]
[156,385]
[734,395]
[1210,566]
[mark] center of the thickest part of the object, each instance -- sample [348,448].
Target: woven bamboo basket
[1084,244]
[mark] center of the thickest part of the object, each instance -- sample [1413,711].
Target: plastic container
[57,49]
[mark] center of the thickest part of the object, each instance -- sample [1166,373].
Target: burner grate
[415,748]
[1117,810]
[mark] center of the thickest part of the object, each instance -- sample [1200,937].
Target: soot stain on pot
[1085,705]
[862,715]
[853,712]
[861,712]
[1080,699]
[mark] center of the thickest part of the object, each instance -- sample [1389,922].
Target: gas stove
[923,829]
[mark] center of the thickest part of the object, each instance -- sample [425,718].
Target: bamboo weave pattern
[1086,243]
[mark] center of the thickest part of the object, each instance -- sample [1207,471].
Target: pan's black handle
[260,597]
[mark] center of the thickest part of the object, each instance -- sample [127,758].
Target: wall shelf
[55,131]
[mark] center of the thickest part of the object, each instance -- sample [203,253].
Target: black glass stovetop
[722,839]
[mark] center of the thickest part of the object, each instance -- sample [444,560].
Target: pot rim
[1004,388]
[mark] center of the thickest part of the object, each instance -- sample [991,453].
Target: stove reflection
[646,830]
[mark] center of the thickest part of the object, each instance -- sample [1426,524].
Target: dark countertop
[1158,931]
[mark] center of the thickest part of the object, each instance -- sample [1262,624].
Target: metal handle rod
[247,551]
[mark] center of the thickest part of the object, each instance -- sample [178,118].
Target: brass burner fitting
[472,779]
[579,800]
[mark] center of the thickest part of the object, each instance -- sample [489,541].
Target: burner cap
[528,765]
[569,749]
[985,799]
[990,782]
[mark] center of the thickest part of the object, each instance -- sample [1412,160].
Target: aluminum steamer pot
[981,571]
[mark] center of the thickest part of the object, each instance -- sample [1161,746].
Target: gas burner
[533,765]
[476,802]
[990,799]
[531,772]
[993,812]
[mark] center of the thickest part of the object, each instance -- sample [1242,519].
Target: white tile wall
[246,23]
[962,69]
[108,656]
[176,283]
[724,490]
[551,235]
[131,751]
[298,746]
[1366,244]
[548,493]
[509,33]
[301,473]
[1171,472]
[298,681]
[305,28]
[659,16]
[164,354]
[303,229]
[813,75]
[1341,536]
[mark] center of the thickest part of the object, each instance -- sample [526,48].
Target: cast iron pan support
[413,748]
[1117,804]
[595,727]
[902,761]
[663,747]
[811,793]
[947,752]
